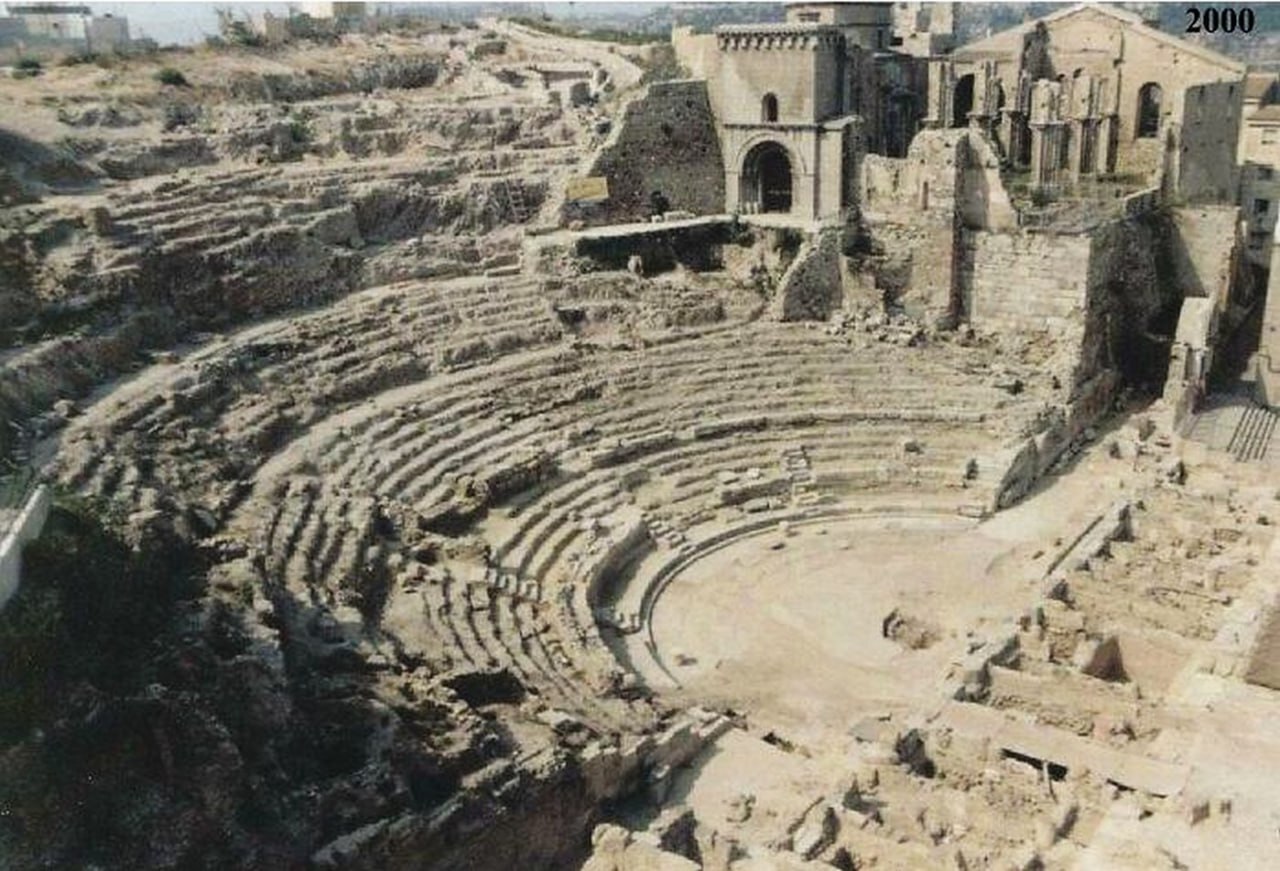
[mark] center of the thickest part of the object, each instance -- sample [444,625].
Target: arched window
[769,108]
[1148,111]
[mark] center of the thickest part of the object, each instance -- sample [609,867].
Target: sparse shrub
[300,128]
[662,66]
[27,68]
[173,78]
[236,31]
[77,58]
[1041,197]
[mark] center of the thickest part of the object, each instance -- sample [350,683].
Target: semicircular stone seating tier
[457,410]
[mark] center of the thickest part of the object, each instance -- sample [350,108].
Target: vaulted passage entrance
[767,178]
[962,101]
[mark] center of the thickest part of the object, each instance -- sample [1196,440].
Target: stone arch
[769,108]
[768,177]
[1148,121]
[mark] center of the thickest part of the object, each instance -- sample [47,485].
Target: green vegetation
[89,610]
[1042,196]
[174,78]
[85,57]
[27,68]
[236,31]
[300,128]
[662,65]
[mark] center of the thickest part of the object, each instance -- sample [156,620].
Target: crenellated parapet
[789,37]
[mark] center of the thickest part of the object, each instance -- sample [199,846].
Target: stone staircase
[1237,425]
[1252,436]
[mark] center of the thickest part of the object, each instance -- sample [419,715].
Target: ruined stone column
[1267,358]
[939,115]
[1075,148]
[1103,158]
[1037,153]
[1005,137]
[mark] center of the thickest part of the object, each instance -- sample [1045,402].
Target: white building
[75,26]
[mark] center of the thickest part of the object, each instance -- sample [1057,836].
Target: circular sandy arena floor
[795,634]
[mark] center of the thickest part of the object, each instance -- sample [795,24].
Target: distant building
[12,30]
[107,33]
[1260,164]
[923,29]
[53,21]
[865,25]
[65,25]
[339,11]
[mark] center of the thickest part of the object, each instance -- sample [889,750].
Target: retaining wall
[26,527]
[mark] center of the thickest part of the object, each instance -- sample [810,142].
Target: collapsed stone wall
[666,143]
[1025,280]
[985,202]
[1203,147]
[910,207]
[1197,257]
[33,380]
[1104,298]
[1114,292]
[812,288]
[1131,316]
[1217,286]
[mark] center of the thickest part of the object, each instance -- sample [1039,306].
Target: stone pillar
[1005,136]
[1103,157]
[1267,359]
[733,190]
[1037,153]
[1076,147]
[940,73]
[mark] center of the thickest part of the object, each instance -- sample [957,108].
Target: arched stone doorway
[962,101]
[767,178]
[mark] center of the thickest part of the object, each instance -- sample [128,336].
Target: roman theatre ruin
[801,444]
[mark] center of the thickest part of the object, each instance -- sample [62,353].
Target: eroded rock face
[252,725]
[269,733]
[96,254]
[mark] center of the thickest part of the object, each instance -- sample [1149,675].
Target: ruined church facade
[1093,91]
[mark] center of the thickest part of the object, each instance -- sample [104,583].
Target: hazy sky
[182,23]
[186,23]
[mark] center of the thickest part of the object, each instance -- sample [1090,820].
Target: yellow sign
[592,189]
